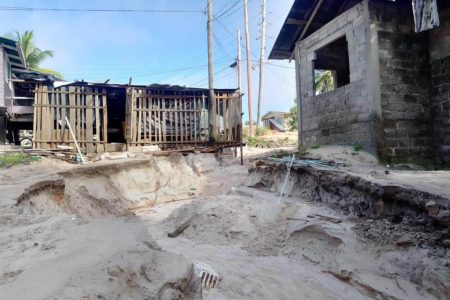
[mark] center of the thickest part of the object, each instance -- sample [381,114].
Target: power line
[145,71]
[236,10]
[280,66]
[230,8]
[206,78]
[221,46]
[19,8]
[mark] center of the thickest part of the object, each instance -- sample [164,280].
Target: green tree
[292,119]
[33,55]
[324,81]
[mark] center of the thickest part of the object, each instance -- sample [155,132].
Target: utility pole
[239,62]
[249,70]
[239,77]
[261,64]
[212,100]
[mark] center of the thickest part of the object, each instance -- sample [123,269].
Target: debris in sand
[209,277]
[179,230]
[347,277]
[325,218]
[432,207]
[309,259]
[152,244]
[304,162]
[404,243]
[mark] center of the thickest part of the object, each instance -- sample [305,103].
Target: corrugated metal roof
[166,87]
[297,19]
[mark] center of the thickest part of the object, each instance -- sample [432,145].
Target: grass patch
[11,159]
[315,146]
[262,131]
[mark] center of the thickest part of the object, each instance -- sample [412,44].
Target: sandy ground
[117,248]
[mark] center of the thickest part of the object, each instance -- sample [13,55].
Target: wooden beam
[310,20]
[292,21]
[341,9]
[275,54]
[16,65]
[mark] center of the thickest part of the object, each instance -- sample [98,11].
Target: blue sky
[155,47]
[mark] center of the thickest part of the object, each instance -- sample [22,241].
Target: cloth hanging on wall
[426,15]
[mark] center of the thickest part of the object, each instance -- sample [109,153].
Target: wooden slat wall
[86,109]
[179,119]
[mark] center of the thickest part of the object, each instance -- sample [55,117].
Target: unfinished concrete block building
[372,72]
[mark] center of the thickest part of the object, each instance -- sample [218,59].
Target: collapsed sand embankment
[117,189]
[353,194]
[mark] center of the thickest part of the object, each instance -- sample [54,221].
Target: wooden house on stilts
[112,117]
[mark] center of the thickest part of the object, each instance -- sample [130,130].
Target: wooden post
[261,63]
[239,99]
[212,100]
[249,70]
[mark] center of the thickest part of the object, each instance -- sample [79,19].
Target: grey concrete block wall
[407,131]
[343,116]
[397,104]
[440,88]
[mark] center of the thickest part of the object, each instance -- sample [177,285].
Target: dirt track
[101,232]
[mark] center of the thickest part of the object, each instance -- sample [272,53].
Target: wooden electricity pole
[239,77]
[261,64]
[239,61]
[249,70]
[212,101]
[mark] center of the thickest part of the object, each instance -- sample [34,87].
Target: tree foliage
[292,119]
[324,81]
[34,56]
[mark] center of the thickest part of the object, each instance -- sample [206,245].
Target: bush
[357,147]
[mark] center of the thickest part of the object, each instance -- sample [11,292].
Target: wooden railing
[180,119]
[86,110]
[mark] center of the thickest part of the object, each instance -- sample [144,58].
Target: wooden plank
[195,122]
[58,132]
[177,134]
[190,120]
[97,121]
[62,114]
[78,113]
[84,115]
[72,111]
[80,92]
[45,119]
[224,124]
[133,117]
[37,119]
[145,111]
[164,120]
[186,138]
[181,133]
[139,118]
[67,106]
[159,121]
[169,120]
[105,118]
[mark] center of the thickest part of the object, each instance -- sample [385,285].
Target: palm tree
[33,55]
